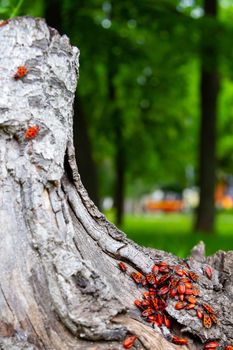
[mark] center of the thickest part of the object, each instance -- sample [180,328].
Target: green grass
[173,232]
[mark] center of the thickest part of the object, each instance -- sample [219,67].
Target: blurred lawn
[173,232]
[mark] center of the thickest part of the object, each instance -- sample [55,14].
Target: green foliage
[144,52]
[13,8]
[139,68]
[10,8]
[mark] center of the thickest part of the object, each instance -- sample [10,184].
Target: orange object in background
[222,198]
[165,205]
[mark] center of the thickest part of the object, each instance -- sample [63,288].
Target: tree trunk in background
[60,284]
[209,87]
[120,175]
[119,159]
[53,14]
[82,142]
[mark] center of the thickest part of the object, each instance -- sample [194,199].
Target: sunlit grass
[173,232]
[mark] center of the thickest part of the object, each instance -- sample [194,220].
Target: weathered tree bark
[86,164]
[60,284]
[209,87]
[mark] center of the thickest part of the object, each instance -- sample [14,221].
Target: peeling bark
[60,285]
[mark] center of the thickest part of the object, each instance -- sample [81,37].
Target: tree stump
[61,287]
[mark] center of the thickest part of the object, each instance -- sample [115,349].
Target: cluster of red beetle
[32,131]
[174,282]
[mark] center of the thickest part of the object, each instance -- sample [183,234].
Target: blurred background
[153,115]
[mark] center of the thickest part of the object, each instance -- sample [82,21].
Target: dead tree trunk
[60,286]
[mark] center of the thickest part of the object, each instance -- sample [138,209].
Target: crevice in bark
[7,302]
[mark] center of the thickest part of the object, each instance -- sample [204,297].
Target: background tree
[209,88]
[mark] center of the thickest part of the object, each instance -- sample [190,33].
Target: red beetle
[163,290]
[196,291]
[181,288]
[208,271]
[162,305]
[163,269]
[148,312]
[179,272]
[152,319]
[167,322]
[199,314]
[179,341]
[185,272]
[229,347]
[163,278]
[31,132]
[193,276]
[191,299]
[207,322]
[155,304]
[188,291]
[122,266]
[180,305]
[174,282]
[214,318]
[145,303]
[211,345]
[144,282]
[160,319]
[173,292]
[138,303]
[184,280]
[146,295]
[208,308]
[151,278]
[129,342]
[21,72]
[155,269]
[181,297]
[137,276]
[152,292]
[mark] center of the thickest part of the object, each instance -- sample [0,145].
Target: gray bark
[60,285]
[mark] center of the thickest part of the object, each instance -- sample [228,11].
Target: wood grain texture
[60,285]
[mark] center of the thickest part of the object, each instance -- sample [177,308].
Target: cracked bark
[60,286]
